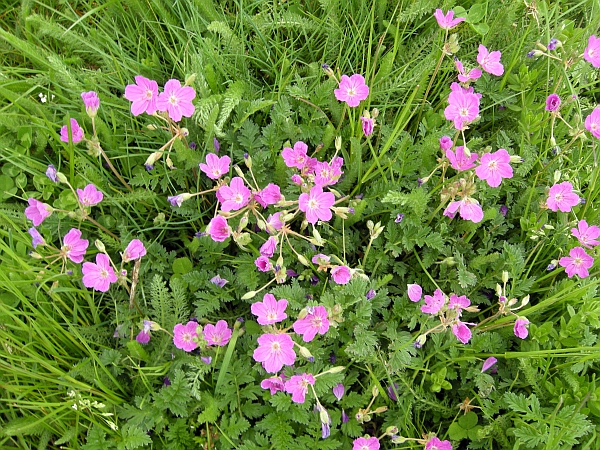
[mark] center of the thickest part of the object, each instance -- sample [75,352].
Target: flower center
[558,198]
[577,261]
[216,172]
[186,337]
[275,347]
[271,315]
[149,94]
[104,273]
[463,112]
[238,198]
[313,204]
[351,92]
[173,100]
[493,165]
[316,322]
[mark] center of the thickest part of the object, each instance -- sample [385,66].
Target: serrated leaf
[174,397]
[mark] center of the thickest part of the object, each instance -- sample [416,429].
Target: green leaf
[476,13]
[182,265]
[469,420]
[456,432]
[133,438]
[174,397]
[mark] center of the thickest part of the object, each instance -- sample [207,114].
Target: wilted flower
[488,363]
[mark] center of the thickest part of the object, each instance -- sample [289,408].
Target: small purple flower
[551,267]
[391,391]
[149,167]
[311,359]
[552,44]
[419,182]
[504,210]
[167,382]
[192,145]
[531,54]
[51,173]
[399,218]
[488,363]
[351,210]
[291,273]
[314,280]
[371,294]
[345,417]
[200,234]
[206,360]
[338,391]
[417,344]
[36,237]
[332,358]
[175,200]
[552,102]
[218,281]
[216,145]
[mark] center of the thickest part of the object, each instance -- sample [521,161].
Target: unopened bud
[498,290]
[557,175]
[61,177]
[100,246]
[398,440]
[248,295]
[152,127]
[153,158]
[238,171]
[190,80]
[243,222]
[391,430]
[324,416]
[375,391]
[516,159]
[303,260]
[317,236]
[504,276]
[512,301]
[380,410]
[305,353]
[35,255]
[374,113]
[338,143]
[525,300]
[248,160]
[541,46]
[335,193]
[467,151]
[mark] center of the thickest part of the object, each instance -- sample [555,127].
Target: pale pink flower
[313,323]
[274,384]
[297,180]
[297,156]
[269,247]
[552,102]
[36,237]
[493,167]
[234,196]
[367,125]
[362,443]
[134,250]
[275,351]
[321,259]
[461,331]
[100,275]
[488,363]
[270,195]
[592,122]
[490,62]
[463,76]
[446,143]
[90,195]
[37,211]
[273,222]
[218,281]
[520,328]
[218,229]
[297,385]
[270,310]
[585,234]
[91,102]
[52,173]
[446,21]
[341,274]
[218,334]
[327,174]
[459,159]
[463,108]
[215,167]
[577,263]
[263,264]
[468,208]
[414,292]
[435,444]
[458,303]
[434,303]
[592,52]
[142,95]
[76,132]
[316,204]
[176,100]
[352,90]
[561,196]
[74,247]
[185,337]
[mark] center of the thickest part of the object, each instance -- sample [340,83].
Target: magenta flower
[74,247]
[270,310]
[297,385]
[488,363]
[328,173]
[414,292]
[490,62]
[100,275]
[520,328]
[270,195]
[367,125]
[37,211]
[585,234]
[463,108]
[143,337]
[176,100]
[314,322]
[592,122]
[459,160]
[435,444]
[468,208]
[577,263]
[274,384]
[434,303]
[263,264]
[370,443]
[90,195]
[275,351]
[494,166]
[297,156]
[234,196]
[463,76]
[273,222]
[352,90]
[36,237]
[215,167]
[218,334]
[341,274]
[561,196]
[446,143]
[76,132]
[91,102]
[143,95]
[338,390]
[134,250]
[461,331]
[552,102]
[269,247]
[592,52]
[297,180]
[185,337]
[218,229]
[316,204]
[458,303]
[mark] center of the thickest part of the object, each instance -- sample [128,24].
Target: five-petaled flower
[270,310]
[490,62]
[215,167]
[459,160]
[577,263]
[297,385]
[446,21]
[463,107]
[592,122]
[234,196]
[176,100]
[435,444]
[90,195]
[275,351]
[434,303]
[100,275]
[74,247]
[134,250]
[142,95]
[585,234]
[493,167]
[368,443]
[37,211]
[185,337]
[468,208]
[313,323]
[592,52]
[561,197]
[218,334]
[352,90]
[316,204]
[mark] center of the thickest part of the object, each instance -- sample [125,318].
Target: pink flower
[490,62]
[297,385]
[458,303]
[494,166]
[218,334]
[90,195]
[297,179]
[215,167]
[143,337]
[91,102]
[326,173]
[143,95]
[592,52]
[463,108]
[488,363]
[435,444]
[463,77]
[263,264]
[274,384]
[578,263]
[316,204]
[314,322]
[586,235]
[468,207]
[134,250]
[275,351]
[461,331]
[352,90]
[36,237]
[76,132]
[270,310]
[434,303]
[341,274]
[446,143]
[176,100]
[269,247]
[370,443]
[100,275]
[446,22]
[459,160]
[552,102]
[269,195]
[561,196]
[592,122]
[73,246]
[297,156]
[234,196]
[218,229]
[367,125]
[414,292]
[520,328]
[185,337]
[37,211]
[338,390]
[273,222]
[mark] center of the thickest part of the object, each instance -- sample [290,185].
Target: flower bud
[498,290]
[152,127]
[303,260]
[525,300]
[391,430]
[238,171]
[516,159]
[248,160]
[375,391]
[338,143]
[153,158]
[61,177]
[557,175]
[504,276]
[305,352]
[248,295]
[190,80]
[380,410]
[100,246]
[35,255]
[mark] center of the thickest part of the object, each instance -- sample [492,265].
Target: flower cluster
[175,100]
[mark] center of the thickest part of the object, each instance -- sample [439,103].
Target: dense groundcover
[300,224]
